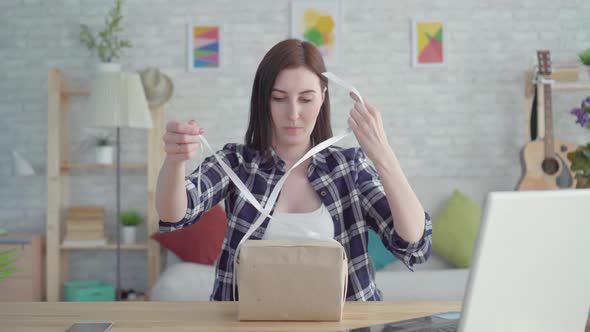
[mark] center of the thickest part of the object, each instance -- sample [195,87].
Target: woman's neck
[292,153]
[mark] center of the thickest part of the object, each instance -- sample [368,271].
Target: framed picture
[428,43]
[204,45]
[320,23]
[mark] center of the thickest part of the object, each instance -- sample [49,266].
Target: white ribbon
[265,211]
[343,84]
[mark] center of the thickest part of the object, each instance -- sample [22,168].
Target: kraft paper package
[292,280]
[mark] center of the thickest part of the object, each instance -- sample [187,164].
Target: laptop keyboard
[421,324]
[450,326]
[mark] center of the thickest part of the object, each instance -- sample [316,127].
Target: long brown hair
[290,53]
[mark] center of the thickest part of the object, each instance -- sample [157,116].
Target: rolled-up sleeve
[415,252]
[378,217]
[215,184]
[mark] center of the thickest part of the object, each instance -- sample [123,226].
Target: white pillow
[185,282]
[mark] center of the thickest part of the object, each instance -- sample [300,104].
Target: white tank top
[316,225]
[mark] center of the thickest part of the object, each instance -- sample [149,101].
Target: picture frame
[428,43]
[204,46]
[319,22]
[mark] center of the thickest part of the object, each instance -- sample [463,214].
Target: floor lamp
[117,100]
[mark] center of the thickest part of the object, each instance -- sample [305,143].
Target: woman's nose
[293,110]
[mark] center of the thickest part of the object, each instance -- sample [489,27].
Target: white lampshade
[117,99]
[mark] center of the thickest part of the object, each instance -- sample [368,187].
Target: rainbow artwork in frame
[428,43]
[204,46]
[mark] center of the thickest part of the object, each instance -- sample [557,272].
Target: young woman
[336,193]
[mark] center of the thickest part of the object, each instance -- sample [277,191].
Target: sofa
[436,280]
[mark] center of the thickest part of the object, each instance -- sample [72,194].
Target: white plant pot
[108,67]
[128,234]
[105,154]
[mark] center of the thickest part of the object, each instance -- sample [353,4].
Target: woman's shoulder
[335,156]
[353,161]
[347,154]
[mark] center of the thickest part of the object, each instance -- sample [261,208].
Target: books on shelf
[83,243]
[83,236]
[85,212]
[85,226]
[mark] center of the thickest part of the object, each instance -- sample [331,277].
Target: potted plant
[108,43]
[7,261]
[104,149]
[129,221]
[580,158]
[585,59]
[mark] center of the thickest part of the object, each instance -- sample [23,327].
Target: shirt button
[323,193]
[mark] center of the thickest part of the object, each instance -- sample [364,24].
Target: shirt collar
[317,160]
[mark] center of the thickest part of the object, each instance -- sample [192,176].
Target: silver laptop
[531,267]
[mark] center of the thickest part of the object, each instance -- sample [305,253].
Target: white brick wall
[465,119]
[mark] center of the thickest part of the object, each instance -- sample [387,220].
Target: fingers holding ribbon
[367,125]
[182,139]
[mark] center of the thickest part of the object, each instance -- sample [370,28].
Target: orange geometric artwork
[428,43]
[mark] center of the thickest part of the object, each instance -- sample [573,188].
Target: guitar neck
[549,144]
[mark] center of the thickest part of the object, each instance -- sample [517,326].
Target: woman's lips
[293,130]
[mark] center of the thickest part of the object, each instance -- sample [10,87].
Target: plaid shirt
[346,183]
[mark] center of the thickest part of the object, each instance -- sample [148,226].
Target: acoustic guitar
[545,164]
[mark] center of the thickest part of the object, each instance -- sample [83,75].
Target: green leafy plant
[107,42]
[585,57]
[580,159]
[103,140]
[131,218]
[7,261]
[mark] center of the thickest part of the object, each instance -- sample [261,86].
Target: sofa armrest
[428,285]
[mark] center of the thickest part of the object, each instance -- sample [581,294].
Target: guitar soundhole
[550,166]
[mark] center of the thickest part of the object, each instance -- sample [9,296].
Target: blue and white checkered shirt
[347,185]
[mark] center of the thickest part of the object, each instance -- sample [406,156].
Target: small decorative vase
[128,234]
[104,154]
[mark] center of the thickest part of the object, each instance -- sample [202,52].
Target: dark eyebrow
[302,92]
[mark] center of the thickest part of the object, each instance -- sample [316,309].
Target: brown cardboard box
[291,280]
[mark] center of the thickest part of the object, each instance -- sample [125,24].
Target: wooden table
[196,316]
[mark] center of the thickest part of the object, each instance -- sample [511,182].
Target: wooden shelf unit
[59,169]
[66,167]
[26,284]
[570,86]
[78,92]
[562,82]
[108,246]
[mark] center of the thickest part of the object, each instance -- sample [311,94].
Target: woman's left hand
[366,124]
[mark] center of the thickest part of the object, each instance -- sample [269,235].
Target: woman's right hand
[181,140]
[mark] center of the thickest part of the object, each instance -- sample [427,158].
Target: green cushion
[454,230]
[378,253]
